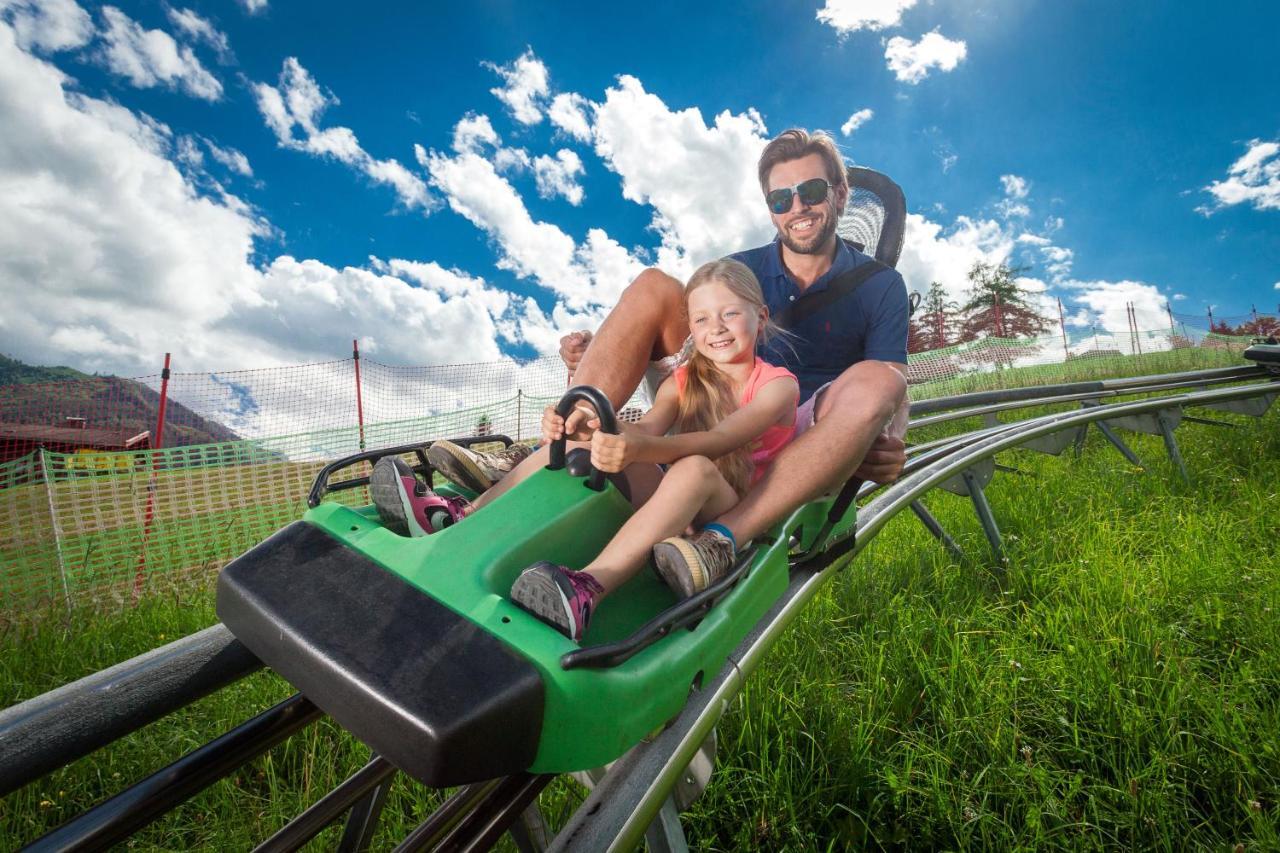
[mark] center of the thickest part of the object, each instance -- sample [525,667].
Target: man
[850,357]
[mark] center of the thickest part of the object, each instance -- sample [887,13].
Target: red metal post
[1062,324]
[149,514]
[355,356]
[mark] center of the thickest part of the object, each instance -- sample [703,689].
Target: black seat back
[875,217]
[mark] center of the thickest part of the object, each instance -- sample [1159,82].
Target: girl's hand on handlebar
[579,426]
[612,453]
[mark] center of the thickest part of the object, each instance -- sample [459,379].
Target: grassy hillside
[46,396]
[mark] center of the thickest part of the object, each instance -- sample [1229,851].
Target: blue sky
[255,182]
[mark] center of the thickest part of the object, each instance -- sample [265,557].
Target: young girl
[725,404]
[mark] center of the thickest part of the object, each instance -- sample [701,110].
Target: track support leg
[1115,439]
[665,835]
[1171,445]
[935,527]
[530,832]
[983,509]
[362,822]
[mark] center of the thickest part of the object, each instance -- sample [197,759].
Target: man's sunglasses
[812,191]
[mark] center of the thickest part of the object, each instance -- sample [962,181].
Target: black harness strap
[842,286]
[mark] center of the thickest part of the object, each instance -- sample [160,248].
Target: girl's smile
[723,325]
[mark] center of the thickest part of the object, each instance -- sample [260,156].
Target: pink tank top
[775,437]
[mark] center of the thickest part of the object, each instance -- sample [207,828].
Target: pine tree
[935,326]
[997,306]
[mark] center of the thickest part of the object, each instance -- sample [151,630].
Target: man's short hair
[796,143]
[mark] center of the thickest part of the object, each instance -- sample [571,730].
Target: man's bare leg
[647,324]
[851,413]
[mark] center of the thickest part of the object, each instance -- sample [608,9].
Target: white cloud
[557,176]
[526,87]
[109,256]
[911,61]
[230,158]
[200,29]
[298,102]
[1011,209]
[848,16]
[1252,179]
[1033,239]
[698,177]
[473,132]
[931,252]
[253,7]
[856,121]
[568,112]
[1014,186]
[50,25]
[1105,303]
[1178,297]
[1058,261]
[593,274]
[149,58]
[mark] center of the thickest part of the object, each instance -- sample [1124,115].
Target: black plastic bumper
[425,688]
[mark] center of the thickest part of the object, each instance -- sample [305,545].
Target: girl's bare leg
[692,488]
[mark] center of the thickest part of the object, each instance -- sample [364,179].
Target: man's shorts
[807,413]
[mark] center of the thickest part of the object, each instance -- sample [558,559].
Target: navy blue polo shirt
[869,323]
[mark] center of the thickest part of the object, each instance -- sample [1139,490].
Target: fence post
[57,528]
[1137,333]
[355,357]
[519,400]
[1169,311]
[149,514]
[1062,324]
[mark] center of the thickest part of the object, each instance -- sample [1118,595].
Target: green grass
[1114,686]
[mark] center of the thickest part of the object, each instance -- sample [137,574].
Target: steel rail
[983,398]
[116,819]
[623,804]
[328,808]
[1108,393]
[69,722]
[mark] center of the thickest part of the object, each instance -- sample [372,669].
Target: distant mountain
[47,396]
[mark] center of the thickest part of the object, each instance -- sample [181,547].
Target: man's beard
[812,244]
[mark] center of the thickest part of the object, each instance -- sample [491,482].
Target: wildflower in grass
[1254,805]
[1013,664]
[969,815]
[46,804]
[1027,752]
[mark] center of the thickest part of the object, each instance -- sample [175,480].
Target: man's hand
[884,461]
[572,347]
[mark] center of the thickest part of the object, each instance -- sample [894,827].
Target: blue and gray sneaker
[561,597]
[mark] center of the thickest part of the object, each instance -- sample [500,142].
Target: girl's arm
[774,403]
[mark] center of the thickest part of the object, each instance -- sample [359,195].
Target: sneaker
[473,469]
[561,597]
[690,564]
[406,505]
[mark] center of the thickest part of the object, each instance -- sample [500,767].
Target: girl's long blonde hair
[708,398]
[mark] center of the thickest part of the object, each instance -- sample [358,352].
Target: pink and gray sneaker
[407,505]
[561,597]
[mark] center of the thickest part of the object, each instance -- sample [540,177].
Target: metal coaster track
[633,799]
